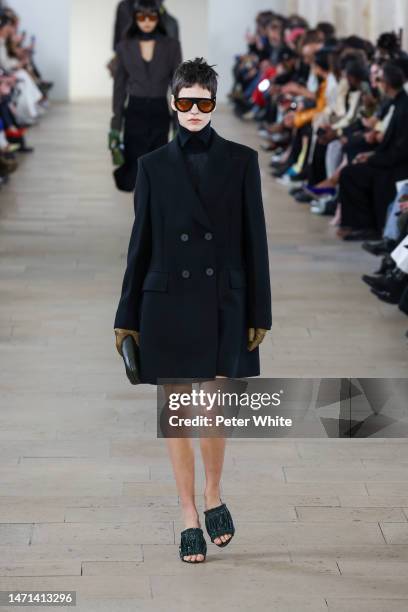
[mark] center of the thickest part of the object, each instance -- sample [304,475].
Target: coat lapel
[217,172]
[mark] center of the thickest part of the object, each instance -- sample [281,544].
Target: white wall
[364,17]
[49,21]
[192,16]
[91,33]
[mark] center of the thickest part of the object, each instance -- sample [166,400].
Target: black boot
[379,247]
[387,264]
[389,288]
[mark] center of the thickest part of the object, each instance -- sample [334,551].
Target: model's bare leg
[213,452]
[181,453]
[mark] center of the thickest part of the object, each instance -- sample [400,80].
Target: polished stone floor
[87,500]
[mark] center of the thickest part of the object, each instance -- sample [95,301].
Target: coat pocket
[155,281]
[237,278]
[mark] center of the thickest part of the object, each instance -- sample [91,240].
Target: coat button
[185,274]
[209,271]
[208,236]
[184,237]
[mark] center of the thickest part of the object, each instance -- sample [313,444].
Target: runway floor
[87,500]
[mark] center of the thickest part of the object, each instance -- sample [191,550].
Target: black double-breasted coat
[197,274]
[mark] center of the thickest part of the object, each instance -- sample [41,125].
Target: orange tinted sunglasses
[204,105]
[153,17]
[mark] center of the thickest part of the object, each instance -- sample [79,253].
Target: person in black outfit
[196,292]
[368,185]
[146,61]
[124,17]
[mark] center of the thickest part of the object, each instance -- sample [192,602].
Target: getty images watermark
[283,407]
[212,401]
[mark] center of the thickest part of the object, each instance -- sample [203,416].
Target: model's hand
[121,335]
[114,139]
[255,337]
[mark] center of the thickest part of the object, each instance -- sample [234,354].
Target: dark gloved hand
[127,344]
[121,335]
[114,140]
[255,337]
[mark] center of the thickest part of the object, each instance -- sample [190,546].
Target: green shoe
[218,522]
[192,543]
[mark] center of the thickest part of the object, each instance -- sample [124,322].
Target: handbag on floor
[131,358]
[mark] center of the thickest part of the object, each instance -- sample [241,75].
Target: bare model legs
[181,454]
[213,452]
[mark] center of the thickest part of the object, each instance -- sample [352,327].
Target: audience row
[23,92]
[333,113]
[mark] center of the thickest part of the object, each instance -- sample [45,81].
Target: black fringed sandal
[218,522]
[192,543]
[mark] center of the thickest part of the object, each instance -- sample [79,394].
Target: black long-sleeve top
[393,150]
[124,16]
[134,78]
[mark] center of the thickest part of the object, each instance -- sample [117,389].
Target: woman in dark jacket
[196,293]
[147,59]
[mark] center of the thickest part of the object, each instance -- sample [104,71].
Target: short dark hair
[322,59]
[402,62]
[311,37]
[389,41]
[145,6]
[192,72]
[296,21]
[393,76]
[356,69]
[327,29]
[4,19]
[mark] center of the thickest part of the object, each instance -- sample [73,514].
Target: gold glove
[121,335]
[255,337]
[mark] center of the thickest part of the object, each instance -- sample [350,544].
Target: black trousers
[365,194]
[147,123]
[316,171]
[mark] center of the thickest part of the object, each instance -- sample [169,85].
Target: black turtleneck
[195,147]
[147,35]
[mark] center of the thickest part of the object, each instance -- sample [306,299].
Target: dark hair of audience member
[322,59]
[389,42]
[393,76]
[356,70]
[277,21]
[402,62]
[349,57]
[327,29]
[312,37]
[263,18]
[296,21]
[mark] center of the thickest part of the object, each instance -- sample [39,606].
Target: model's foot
[212,500]
[191,519]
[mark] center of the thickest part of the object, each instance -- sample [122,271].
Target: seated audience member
[368,185]
[333,113]
[28,95]
[23,92]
